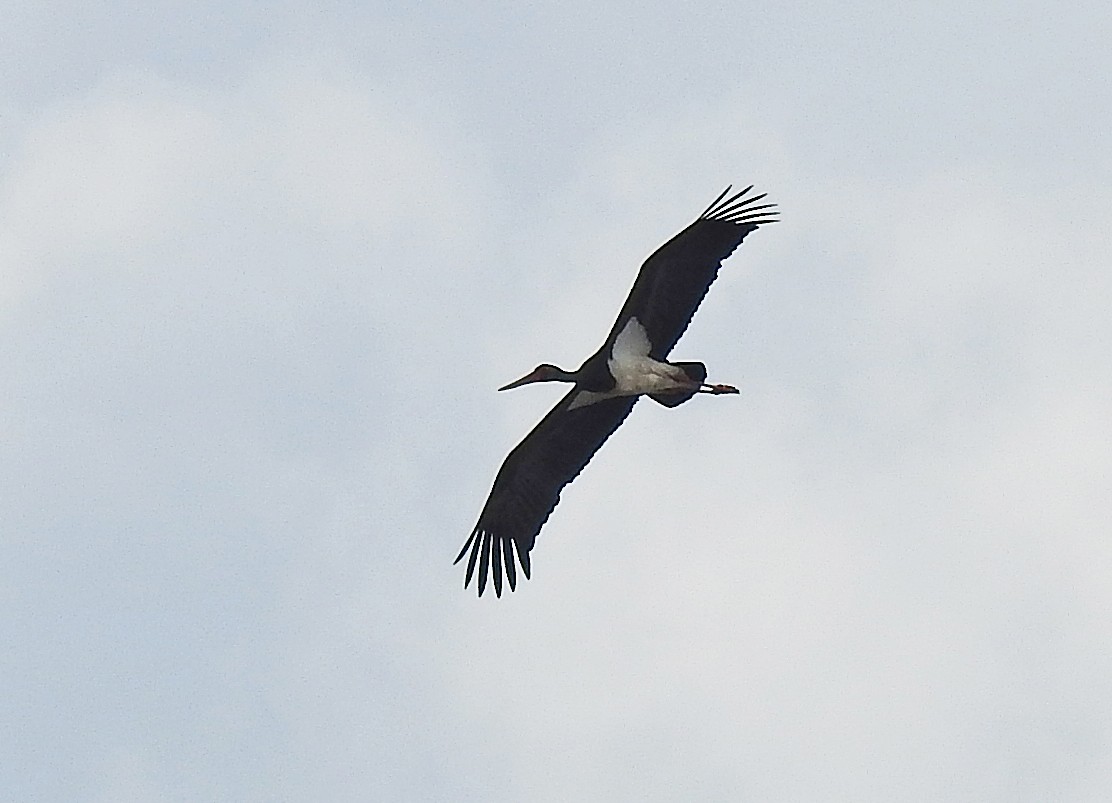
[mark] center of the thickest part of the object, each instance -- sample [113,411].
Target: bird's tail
[696,372]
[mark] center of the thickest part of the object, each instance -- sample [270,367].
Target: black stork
[632,362]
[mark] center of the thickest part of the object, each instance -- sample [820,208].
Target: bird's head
[542,373]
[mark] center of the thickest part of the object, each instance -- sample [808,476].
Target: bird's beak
[525,380]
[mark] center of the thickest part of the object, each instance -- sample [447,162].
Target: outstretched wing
[674,280]
[528,485]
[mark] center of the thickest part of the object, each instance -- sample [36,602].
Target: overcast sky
[262,268]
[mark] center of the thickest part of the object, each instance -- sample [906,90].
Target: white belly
[634,370]
[634,377]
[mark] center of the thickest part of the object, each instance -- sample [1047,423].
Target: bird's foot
[717,390]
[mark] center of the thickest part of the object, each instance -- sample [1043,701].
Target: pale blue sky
[261,270]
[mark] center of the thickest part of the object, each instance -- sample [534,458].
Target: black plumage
[675,279]
[528,485]
[667,292]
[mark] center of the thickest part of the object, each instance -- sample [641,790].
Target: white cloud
[250,335]
[108,170]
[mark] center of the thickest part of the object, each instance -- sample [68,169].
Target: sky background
[262,268]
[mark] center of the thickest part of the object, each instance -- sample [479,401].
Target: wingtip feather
[742,209]
[484,562]
[511,569]
[466,546]
[725,192]
[493,558]
[476,542]
[496,565]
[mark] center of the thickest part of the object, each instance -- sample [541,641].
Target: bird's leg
[700,387]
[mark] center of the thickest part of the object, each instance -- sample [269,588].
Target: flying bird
[631,363]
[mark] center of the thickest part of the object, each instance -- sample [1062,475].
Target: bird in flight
[631,363]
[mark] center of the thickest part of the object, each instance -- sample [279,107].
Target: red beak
[533,376]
